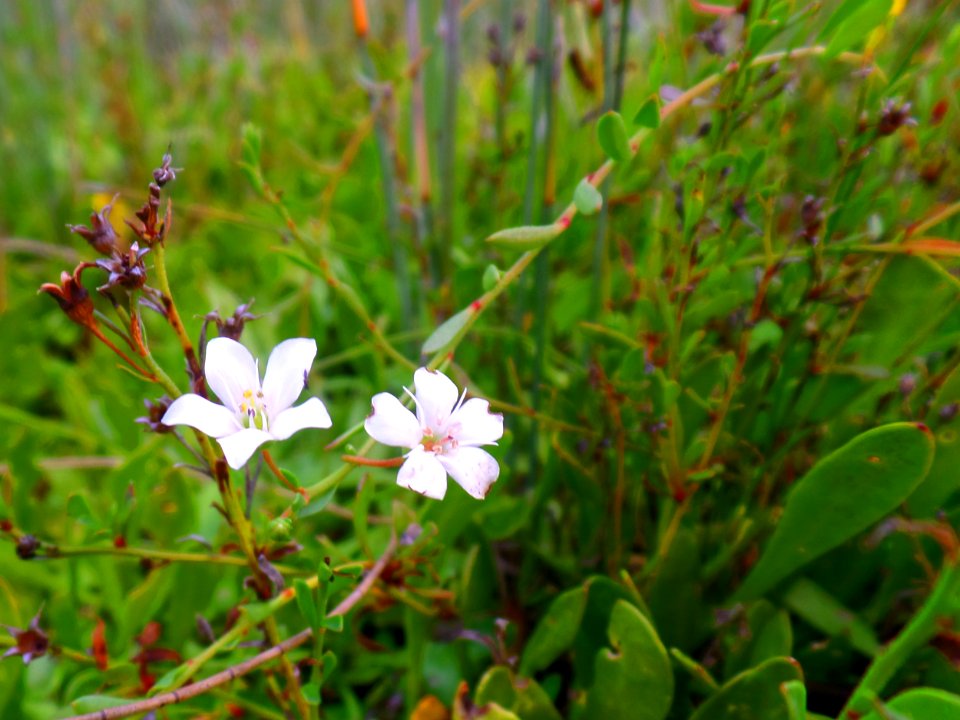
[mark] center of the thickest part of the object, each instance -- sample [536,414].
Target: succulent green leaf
[556,631]
[612,134]
[95,703]
[634,680]
[519,695]
[587,198]
[648,115]
[447,331]
[846,492]
[753,695]
[922,704]
[526,237]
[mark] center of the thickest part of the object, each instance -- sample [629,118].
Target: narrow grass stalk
[600,266]
[421,148]
[448,136]
[541,283]
[378,106]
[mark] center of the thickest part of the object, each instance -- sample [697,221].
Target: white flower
[444,436]
[251,414]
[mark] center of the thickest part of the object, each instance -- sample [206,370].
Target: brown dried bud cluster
[812,217]
[30,643]
[101,235]
[72,297]
[125,269]
[156,409]
[150,228]
[893,117]
[27,546]
[124,265]
[232,327]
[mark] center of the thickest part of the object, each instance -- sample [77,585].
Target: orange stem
[274,468]
[360,460]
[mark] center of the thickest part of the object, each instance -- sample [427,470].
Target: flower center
[253,411]
[438,443]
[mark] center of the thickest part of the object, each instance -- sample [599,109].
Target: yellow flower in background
[120,209]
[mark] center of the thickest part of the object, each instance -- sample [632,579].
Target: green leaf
[767,634]
[257,612]
[857,25]
[521,696]
[251,143]
[311,693]
[697,671]
[304,509]
[795,693]
[820,609]
[612,134]
[587,198]
[169,679]
[526,237]
[445,334]
[634,680]
[556,630]
[79,509]
[648,115]
[675,594]
[912,298]
[95,703]
[491,276]
[602,595]
[305,602]
[942,480]
[923,704]
[334,623]
[753,695]
[846,492]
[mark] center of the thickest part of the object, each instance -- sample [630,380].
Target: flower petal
[391,423]
[436,396]
[286,373]
[230,370]
[475,470]
[197,412]
[423,474]
[239,446]
[474,424]
[311,414]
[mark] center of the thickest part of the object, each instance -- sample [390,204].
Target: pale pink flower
[252,413]
[444,437]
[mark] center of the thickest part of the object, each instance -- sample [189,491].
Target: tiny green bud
[281,528]
[491,276]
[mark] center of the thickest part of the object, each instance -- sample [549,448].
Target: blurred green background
[745,302]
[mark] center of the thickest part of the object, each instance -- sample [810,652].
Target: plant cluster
[697,389]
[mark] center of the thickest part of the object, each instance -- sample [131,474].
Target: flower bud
[27,547]
[101,235]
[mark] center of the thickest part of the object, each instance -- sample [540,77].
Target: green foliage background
[728,483]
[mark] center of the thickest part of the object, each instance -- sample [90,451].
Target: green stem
[923,626]
[65,551]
